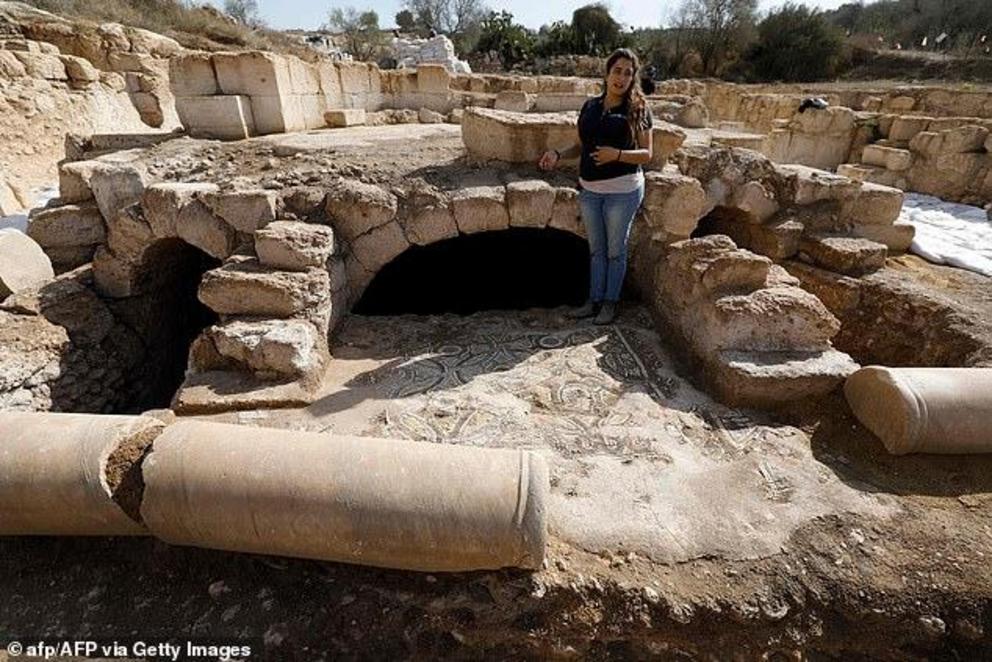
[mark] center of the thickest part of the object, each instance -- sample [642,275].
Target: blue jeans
[608,217]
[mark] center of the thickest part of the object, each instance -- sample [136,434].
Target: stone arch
[507,269]
[377,226]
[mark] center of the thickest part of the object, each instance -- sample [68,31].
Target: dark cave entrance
[166,317]
[511,269]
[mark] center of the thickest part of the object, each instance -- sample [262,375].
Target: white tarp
[949,233]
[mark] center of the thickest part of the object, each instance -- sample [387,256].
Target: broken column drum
[925,410]
[60,473]
[397,504]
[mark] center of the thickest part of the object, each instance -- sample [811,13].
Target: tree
[555,39]
[406,21]
[512,43]
[594,30]
[363,38]
[245,11]
[795,43]
[718,30]
[447,16]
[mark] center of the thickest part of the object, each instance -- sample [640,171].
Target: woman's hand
[548,160]
[604,155]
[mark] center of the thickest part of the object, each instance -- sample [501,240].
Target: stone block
[430,222]
[845,255]
[116,186]
[480,209]
[198,226]
[673,203]
[192,75]
[735,271]
[897,237]
[856,171]
[68,225]
[377,247]
[566,215]
[904,127]
[163,203]
[10,66]
[246,210]
[245,287]
[252,73]
[23,264]
[330,84]
[122,62]
[432,78]
[79,70]
[280,114]
[354,80]
[770,319]
[270,348]
[428,116]
[293,245]
[808,185]
[516,137]
[665,140]
[304,78]
[344,117]
[901,104]
[889,158]
[224,117]
[963,140]
[355,207]
[755,200]
[770,379]
[515,101]
[530,203]
[42,65]
[874,204]
[128,234]
[778,239]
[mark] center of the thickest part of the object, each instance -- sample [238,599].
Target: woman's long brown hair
[634,97]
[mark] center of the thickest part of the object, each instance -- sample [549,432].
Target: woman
[614,140]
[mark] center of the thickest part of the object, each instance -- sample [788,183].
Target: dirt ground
[792,536]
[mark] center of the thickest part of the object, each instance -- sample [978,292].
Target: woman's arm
[552,157]
[604,155]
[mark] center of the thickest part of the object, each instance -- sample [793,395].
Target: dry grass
[192,26]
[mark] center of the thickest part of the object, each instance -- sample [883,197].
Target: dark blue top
[607,129]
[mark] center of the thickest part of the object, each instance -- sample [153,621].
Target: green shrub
[795,43]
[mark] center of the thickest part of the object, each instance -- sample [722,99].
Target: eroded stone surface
[294,245]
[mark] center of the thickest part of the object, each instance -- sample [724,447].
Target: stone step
[845,255]
[767,379]
[243,286]
[294,245]
[889,158]
[268,349]
[770,319]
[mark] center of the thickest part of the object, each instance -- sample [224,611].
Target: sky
[310,14]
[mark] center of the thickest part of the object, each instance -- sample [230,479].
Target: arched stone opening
[729,221]
[511,269]
[166,316]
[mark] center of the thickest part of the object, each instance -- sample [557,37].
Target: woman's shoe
[588,309]
[607,313]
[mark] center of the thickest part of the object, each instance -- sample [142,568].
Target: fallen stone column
[395,504]
[925,410]
[71,474]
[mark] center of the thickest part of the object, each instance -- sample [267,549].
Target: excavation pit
[690,516]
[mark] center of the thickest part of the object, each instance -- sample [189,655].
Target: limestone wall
[243,94]
[59,77]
